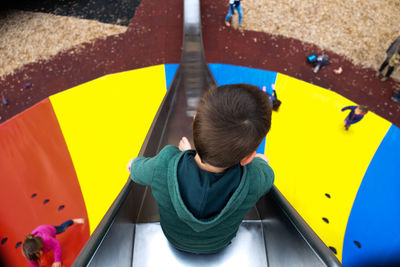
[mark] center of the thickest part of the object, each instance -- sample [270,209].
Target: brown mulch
[154,36]
[361,30]
[28,37]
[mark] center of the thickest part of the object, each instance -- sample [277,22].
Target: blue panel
[229,74]
[373,233]
[261,148]
[170,70]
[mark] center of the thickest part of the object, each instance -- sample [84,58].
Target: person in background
[275,102]
[355,115]
[392,60]
[233,5]
[396,96]
[43,239]
[318,61]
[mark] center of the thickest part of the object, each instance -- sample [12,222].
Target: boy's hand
[56,264]
[128,167]
[263,157]
[184,144]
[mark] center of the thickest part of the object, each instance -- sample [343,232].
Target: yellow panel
[313,155]
[104,123]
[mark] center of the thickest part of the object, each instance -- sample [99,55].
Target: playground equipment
[272,233]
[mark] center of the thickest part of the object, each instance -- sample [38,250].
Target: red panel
[34,159]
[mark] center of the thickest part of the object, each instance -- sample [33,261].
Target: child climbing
[355,115]
[43,239]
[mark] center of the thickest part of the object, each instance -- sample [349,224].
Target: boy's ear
[246,160]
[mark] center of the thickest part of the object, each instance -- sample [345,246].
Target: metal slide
[272,234]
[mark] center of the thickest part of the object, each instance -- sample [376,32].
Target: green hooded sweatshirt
[183,230]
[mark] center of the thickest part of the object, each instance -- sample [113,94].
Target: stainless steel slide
[272,234]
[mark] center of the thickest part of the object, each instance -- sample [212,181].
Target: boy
[355,115]
[204,194]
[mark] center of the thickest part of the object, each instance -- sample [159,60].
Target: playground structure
[67,118]
[116,243]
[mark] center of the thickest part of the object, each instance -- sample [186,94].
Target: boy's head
[230,123]
[361,110]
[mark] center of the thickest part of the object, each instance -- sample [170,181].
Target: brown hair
[230,123]
[363,109]
[32,247]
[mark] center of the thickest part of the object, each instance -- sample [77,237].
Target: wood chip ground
[27,37]
[360,30]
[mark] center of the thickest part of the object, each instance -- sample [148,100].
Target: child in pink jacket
[43,239]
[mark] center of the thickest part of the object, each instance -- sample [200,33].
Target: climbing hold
[46,201]
[358,244]
[333,250]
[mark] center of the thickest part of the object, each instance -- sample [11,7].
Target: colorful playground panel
[66,157]
[106,128]
[372,234]
[343,183]
[327,163]
[38,183]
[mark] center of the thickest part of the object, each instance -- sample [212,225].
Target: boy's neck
[206,166]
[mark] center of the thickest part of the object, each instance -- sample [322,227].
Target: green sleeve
[143,169]
[268,176]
